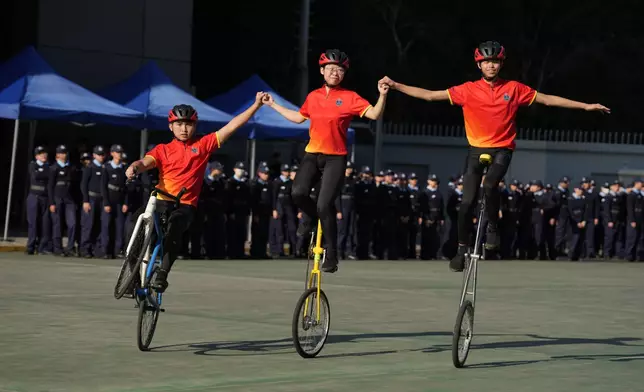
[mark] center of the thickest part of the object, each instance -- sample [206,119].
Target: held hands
[260,98]
[267,100]
[387,81]
[595,107]
[383,88]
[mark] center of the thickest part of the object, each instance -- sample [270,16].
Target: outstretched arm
[291,115]
[224,133]
[553,100]
[416,92]
[140,166]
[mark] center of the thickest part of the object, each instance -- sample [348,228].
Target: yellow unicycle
[312,315]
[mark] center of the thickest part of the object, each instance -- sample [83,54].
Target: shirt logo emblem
[338,102]
[506,97]
[194,150]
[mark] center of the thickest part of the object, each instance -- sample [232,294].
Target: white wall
[100,42]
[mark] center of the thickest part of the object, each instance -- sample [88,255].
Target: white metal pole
[144,142]
[13,166]
[378,147]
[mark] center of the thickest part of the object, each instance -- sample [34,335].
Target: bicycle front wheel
[310,332]
[126,280]
[463,334]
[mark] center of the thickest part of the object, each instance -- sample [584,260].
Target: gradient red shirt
[183,164]
[330,113]
[490,110]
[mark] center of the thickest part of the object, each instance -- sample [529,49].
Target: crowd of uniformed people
[383,215]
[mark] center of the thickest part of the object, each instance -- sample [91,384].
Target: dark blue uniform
[510,221]
[214,197]
[560,213]
[345,204]
[577,216]
[388,207]
[414,201]
[634,248]
[614,212]
[284,227]
[404,214]
[61,180]
[38,219]
[365,201]
[238,203]
[450,239]
[593,214]
[115,197]
[432,212]
[91,188]
[261,196]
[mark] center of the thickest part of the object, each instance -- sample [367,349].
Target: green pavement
[540,326]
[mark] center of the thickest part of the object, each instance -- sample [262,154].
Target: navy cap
[548,186]
[432,177]
[39,150]
[413,176]
[538,183]
[402,176]
[61,149]
[240,165]
[99,150]
[564,179]
[263,169]
[389,172]
[116,148]
[294,168]
[124,156]
[584,180]
[515,182]
[349,164]
[637,180]
[216,165]
[459,181]
[262,163]
[285,167]
[592,182]
[85,156]
[395,176]
[381,173]
[365,169]
[616,182]
[607,185]
[502,180]
[580,185]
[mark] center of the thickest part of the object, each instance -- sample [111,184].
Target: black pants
[178,221]
[501,158]
[330,170]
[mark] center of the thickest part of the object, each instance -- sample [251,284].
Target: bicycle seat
[485,159]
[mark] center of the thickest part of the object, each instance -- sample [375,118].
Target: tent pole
[251,174]
[13,166]
[353,152]
[144,142]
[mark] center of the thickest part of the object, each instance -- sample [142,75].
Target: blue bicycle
[140,267]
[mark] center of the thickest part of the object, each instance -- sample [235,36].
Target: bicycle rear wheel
[130,268]
[147,322]
[463,334]
[310,334]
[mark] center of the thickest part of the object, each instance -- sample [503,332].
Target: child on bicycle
[489,108]
[182,164]
[330,109]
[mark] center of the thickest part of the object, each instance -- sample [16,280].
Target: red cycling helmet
[334,56]
[489,50]
[182,113]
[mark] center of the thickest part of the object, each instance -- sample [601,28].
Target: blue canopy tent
[151,92]
[266,123]
[30,89]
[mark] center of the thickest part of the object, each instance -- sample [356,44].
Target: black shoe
[330,264]
[457,264]
[29,252]
[304,228]
[492,239]
[160,283]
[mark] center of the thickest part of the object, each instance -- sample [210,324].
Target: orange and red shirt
[330,113]
[183,164]
[490,110]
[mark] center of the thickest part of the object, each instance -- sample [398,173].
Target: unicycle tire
[129,269]
[463,334]
[303,324]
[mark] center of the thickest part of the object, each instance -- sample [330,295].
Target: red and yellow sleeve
[211,142]
[359,105]
[157,154]
[457,94]
[304,110]
[525,95]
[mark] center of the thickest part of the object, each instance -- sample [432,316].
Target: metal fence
[536,134]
